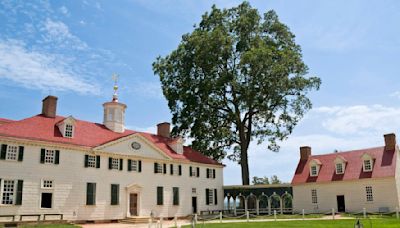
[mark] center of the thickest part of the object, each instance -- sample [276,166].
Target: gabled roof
[4,120]
[384,165]
[90,135]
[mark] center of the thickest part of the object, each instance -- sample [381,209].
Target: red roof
[384,165]
[4,120]
[90,135]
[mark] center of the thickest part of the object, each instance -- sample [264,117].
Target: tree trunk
[244,163]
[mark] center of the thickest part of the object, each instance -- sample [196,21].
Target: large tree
[237,77]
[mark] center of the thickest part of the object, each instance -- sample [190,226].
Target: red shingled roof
[90,135]
[4,120]
[384,166]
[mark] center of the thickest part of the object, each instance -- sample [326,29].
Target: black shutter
[160,196]
[175,193]
[155,167]
[207,199]
[3,151]
[190,171]
[215,197]
[214,173]
[20,153]
[121,164]
[86,160]
[98,161]
[165,168]
[129,165]
[42,155]
[109,163]
[57,158]
[114,194]
[20,186]
[140,166]
[208,176]
[91,194]
[171,169]
[198,171]
[180,170]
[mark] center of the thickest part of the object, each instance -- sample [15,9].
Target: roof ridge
[347,152]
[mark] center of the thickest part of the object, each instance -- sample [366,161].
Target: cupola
[114,112]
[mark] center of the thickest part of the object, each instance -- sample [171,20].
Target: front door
[133,204]
[194,205]
[340,203]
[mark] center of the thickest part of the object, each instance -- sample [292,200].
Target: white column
[258,206]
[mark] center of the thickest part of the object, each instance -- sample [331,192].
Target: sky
[70,49]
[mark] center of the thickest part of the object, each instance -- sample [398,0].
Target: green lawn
[381,223]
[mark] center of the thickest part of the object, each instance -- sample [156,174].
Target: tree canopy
[237,77]
[265,180]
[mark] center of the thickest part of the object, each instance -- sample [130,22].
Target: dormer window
[69,130]
[368,162]
[340,164]
[314,167]
[314,171]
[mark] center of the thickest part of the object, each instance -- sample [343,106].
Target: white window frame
[194,191]
[135,165]
[49,156]
[115,163]
[365,168]
[12,193]
[12,153]
[211,196]
[160,168]
[45,184]
[91,161]
[69,130]
[314,196]
[316,170]
[342,167]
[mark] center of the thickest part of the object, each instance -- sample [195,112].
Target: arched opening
[252,203]
[263,204]
[287,203]
[275,203]
[228,204]
[240,204]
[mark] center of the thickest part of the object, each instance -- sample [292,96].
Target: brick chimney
[163,129]
[49,106]
[305,152]
[390,141]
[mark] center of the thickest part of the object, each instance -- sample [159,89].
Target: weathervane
[115,78]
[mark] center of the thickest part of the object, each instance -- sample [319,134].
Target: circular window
[135,145]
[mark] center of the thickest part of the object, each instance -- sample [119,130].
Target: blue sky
[71,48]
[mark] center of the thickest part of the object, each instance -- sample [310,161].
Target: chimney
[305,152]
[163,129]
[390,141]
[49,106]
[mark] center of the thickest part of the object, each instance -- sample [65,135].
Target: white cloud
[396,94]
[39,70]
[64,10]
[58,34]
[360,119]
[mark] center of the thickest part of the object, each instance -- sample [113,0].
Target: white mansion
[51,164]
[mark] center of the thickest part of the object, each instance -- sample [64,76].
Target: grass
[278,216]
[381,223]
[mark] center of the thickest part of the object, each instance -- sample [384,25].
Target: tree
[236,78]
[260,180]
[275,180]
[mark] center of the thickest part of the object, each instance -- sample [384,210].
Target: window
[115,163]
[47,184]
[175,191]
[367,165]
[369,196]
[194,171]
[209,196]
[135,165]
[314,198]
[211,173]
[8,192]
[69,129]
[158,168]
[160,196]
[91,194]
[314,171]
[49,156]
[46,200]
[339,168]
[11,153]
[114,194]
[194,190]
